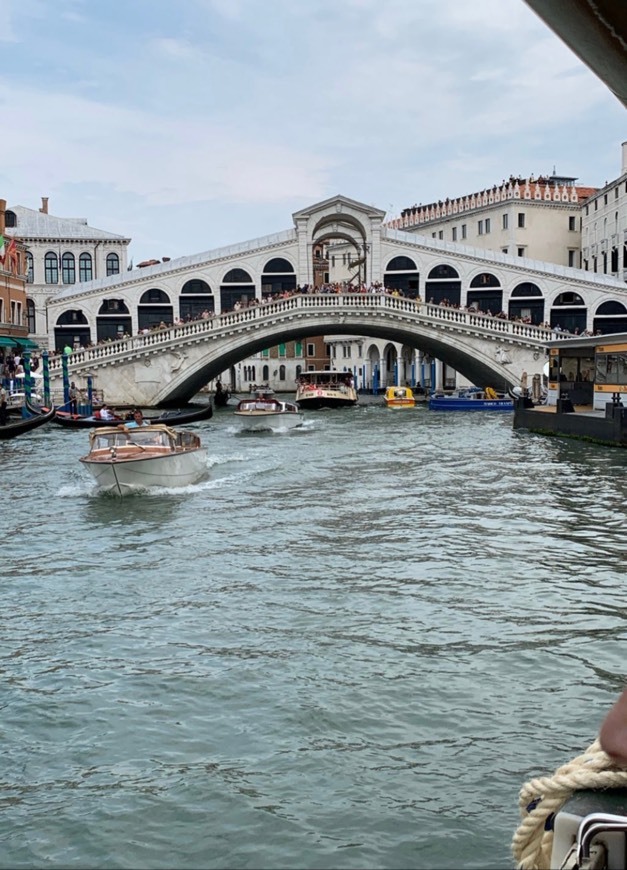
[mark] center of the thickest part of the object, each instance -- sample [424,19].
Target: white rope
[540,799]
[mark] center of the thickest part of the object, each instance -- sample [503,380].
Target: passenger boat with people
[470,399]
[123,459]
[326,389]
[109,418]
[399,397]
[265,412]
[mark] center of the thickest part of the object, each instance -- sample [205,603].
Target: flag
[12,256]
[1,248]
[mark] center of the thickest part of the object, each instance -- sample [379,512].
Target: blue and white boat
[470,399]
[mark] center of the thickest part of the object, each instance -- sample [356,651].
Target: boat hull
[318,398]
[258,421]
[123,476]
[453,403]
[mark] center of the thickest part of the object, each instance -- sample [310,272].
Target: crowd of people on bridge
[341,287]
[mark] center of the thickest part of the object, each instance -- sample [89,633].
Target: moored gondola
[26,424]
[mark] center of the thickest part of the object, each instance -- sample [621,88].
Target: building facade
[604,227]
[13,308]
[537,219]
[60,252]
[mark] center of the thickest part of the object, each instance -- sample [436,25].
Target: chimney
[3,208]
[44,205]
[624,169]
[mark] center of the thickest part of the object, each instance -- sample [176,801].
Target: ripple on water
[347,647]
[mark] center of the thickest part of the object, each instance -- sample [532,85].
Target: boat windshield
[145,437]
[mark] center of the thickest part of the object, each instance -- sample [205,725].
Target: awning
[13,341]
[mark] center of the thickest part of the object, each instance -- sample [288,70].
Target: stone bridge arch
[170,365]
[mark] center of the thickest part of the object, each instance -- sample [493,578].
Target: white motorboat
[265,412]
[326,389]
[124,459]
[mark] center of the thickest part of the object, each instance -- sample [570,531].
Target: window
[572,258]
[454,234]
[521,220]
[463,231]
[572,222]
[68,269]
[298,348]
[265,353]
[281,373]
[311,350]
[85,271]
[282,350]
[521,252]
[487,225]
[480,228]
[30,315]
[505,221]
[113,264]
[30,274]
[504,250]
[433,235]
[51,268]
[441,234]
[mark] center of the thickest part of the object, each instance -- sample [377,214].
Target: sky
[190,124]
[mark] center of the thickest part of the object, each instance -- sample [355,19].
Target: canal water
[348,647]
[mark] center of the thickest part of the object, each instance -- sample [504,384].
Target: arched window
[278,276]
[68,269]
[85,268]
[401,274]
[278,264]
[401,264]
[113,264]
[51,268]
[443,271]
[485,279]
[237,276]
[30,268]
[281,373]
[154,296]
[195,300]
[113,306]
[196,286]
[526,289]
[265,374]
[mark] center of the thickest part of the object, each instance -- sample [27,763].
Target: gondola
[169,418]
[25,424]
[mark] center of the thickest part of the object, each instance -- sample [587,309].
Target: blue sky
[191,124]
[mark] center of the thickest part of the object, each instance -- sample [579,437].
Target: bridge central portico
[169,366]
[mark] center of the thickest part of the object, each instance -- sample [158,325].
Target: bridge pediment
[339,205]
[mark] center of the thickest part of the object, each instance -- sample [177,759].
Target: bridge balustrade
[267,312]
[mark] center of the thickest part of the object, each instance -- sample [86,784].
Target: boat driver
[138,420]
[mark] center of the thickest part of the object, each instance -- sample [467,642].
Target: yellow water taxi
[400,397]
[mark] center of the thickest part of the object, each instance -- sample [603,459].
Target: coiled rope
[540,799]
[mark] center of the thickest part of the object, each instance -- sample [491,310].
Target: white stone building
[604,227]
[61,252]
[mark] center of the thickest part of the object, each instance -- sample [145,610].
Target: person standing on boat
[138,420]
[73,393]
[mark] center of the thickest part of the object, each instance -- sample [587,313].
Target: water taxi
[399,397]
[471,399]
[264,411]
[326,389]
[123,459]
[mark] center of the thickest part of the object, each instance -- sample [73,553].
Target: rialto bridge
[169,366]
[233,288]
